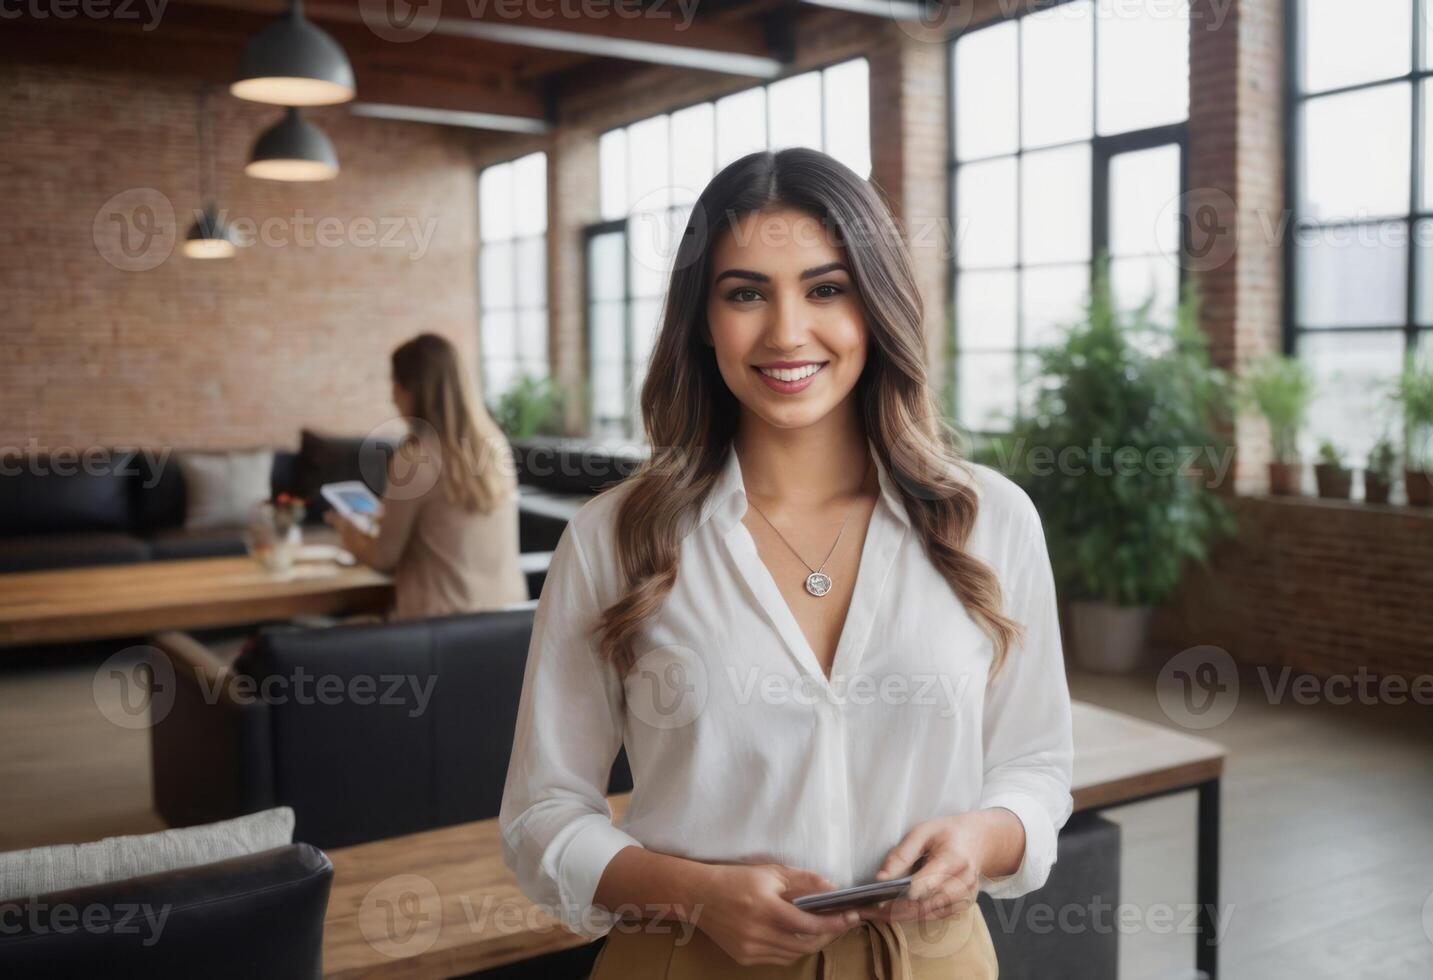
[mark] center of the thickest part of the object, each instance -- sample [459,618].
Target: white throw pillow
[45,870]
[222,489]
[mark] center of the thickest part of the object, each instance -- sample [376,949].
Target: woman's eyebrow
[819,270]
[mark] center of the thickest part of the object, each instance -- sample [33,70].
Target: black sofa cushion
[33,553]
[336,459]
[260,915]
[574,466]
[87,491]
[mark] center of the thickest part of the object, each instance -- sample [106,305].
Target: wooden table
[145,597]
[442,903]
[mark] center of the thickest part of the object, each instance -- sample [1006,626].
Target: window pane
[1144,213]
[986,310]
[499,335]
[1352,276]
[1052,298]
[693,150]
[646,322]
[985,214]
[794,111]
[606,266]
[1427,192]
[1057,80]
[612,170]
[986,87]
[607,324]
[1345,46]
[532,340]
[1423,239]
[1143,64]
[1055,205]
[1134,280]
[495,201]
[496,283]
[986,390]
[532,272]
[848,114]
[1355,154]
[651,239]
[498,377]
[648,176]
[741,125]
[1352,371]
[529,194]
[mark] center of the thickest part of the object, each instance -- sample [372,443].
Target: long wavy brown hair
[476,464]
[690,415]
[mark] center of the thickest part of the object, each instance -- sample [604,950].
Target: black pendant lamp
[293,149]
[292,62]
[209,238]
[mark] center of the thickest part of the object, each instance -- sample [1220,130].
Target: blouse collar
[726,501]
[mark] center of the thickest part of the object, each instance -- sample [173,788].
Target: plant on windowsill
[1413,392]
[1335,481]
[1280,389]
[1378,474]
[530,407]
[1123,521]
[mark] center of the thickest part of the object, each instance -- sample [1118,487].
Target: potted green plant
[1122,525]
[1414,394]
[530,407]
[1335,481]
[1280,389]
[1378,474]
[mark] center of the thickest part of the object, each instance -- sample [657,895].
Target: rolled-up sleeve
[1028,742]
[557,829]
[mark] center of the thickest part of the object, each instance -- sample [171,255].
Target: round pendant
[818,583]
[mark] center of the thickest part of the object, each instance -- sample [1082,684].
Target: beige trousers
[954,948]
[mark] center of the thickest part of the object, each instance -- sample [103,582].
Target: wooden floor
[1328,823]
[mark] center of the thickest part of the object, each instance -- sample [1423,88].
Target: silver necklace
[818,583]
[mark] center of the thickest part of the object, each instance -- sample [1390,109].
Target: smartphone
[855,896]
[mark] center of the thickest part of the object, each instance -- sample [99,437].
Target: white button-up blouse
[742,750]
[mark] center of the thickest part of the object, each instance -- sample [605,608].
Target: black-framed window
[1359,251]
[512,273]
[651,172]
[1068,139]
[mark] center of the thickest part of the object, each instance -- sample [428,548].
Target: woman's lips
[788,387]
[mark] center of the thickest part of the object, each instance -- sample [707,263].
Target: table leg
[1206,940]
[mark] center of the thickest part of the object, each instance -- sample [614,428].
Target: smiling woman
[789,374]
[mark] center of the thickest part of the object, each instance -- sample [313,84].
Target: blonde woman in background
[449,529]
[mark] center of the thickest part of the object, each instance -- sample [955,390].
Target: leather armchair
[420,738]
[255,916]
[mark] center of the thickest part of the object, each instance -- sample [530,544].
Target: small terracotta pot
[1419,484]
[1284,479]
[1375,488]
[1335,482]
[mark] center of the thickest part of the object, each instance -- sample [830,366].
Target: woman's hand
[349,533]
[746,909]
[957,851]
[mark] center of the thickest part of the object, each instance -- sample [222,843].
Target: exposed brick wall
[228,353]
[1321,586]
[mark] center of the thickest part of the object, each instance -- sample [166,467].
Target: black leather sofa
[115,506]
[352,771]
[557,475]
[255,916]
